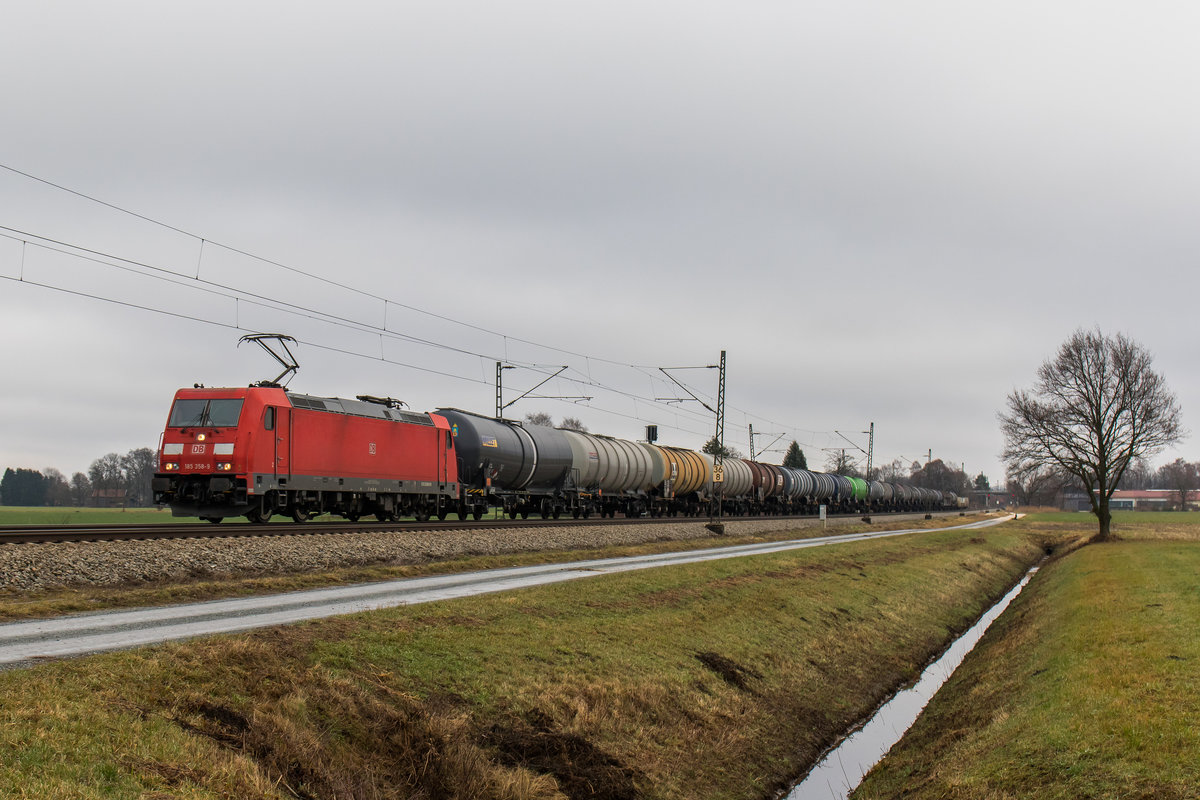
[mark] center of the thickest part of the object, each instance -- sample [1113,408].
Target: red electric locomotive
[262,450]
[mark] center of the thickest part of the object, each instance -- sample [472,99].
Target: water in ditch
[843,768]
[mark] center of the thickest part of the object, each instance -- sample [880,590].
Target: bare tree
[539,418]
[572,424]
[840,463]
[58,491]
[895,472]
[106,472]
[81,488]
[1181,477]
[137,467]
[1039,486]
[1138,475]
[1096,406]
[937,475]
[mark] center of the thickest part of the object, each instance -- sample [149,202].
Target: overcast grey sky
[887,212]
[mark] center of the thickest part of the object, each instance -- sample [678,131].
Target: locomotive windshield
[205,413]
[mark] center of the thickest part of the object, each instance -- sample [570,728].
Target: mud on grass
[716,680]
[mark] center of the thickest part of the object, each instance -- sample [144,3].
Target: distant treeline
[112,480]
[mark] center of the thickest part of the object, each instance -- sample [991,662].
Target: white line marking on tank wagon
[26,642]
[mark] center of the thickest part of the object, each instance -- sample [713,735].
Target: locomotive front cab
[202,463]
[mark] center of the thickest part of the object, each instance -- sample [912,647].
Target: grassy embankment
[714,680]
[1087,687]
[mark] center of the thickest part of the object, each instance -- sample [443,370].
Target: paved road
[25,643]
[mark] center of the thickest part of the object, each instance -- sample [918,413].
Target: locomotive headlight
[200,437]
[170,466]
[224,466]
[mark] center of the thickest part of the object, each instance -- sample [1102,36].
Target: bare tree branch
[1096,407]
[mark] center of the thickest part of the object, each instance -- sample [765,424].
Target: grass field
[716,680]
[1086,688]
[74,515]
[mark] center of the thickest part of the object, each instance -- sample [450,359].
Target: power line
[262,301]
[204,240]
[279,305]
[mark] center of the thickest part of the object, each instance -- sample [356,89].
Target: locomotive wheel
[556,513]
[258,516]
[213,520]
[512,513]
[524,515]
[352,516]
[587,512]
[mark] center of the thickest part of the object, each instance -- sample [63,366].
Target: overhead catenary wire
[143,270]
[241,295]
[307,342]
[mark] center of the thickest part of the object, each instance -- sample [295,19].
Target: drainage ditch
[840,771]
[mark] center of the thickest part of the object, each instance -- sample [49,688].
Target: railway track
[31,534]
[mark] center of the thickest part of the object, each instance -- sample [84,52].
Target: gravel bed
[44,566]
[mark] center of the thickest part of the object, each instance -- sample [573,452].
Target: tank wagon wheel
[587,512]
[525,514]
[213,520]
[299,515]
[442,514]
[556,513]
[477,514]
[575,513]
[512,513]
[352,516]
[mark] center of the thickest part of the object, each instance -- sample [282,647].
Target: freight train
[262,450]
